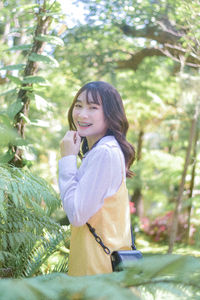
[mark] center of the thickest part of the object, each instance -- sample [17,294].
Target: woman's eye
[94,107]
[77,105]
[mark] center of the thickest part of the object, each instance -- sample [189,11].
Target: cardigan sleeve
[83,197]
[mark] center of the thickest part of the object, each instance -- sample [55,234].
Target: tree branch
[156,33]
[174,52]
[169,42]
[138,57]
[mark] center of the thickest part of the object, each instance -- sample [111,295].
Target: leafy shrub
[159,229]
[155,277]
[28,235]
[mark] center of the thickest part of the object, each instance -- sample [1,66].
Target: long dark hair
[114,114]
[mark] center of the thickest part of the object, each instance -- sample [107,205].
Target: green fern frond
[24,188]
[5,255]
[62,266]
[26,202]
[43,250]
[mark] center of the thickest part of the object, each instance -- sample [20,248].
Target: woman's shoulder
[108,142]
[109,148]
[110,152]
[106,154]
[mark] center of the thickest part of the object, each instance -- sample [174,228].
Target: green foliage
[43,58]
[14,108]
[7,138]
[20,47]
[14,67]
[20,62]
[55,40]
[15,79]
[34,79]
[26,188]
[7,92]
[28,235]
[45,248]
[155,277]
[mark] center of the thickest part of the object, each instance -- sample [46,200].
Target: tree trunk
[177,210]
[137,196]
[192,185]
[137,199]
[171,138]
[24,95]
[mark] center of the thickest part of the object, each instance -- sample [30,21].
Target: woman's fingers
[77,138]
[70,144]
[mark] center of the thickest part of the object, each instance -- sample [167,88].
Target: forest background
[149,50]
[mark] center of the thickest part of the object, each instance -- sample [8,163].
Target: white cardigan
[83,190]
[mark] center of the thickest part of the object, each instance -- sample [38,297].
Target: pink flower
[162,228]
[132,207]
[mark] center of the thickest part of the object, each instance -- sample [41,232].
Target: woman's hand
[70,144]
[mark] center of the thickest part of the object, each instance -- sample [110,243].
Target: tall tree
[191,139]
[192,182]
[137,195]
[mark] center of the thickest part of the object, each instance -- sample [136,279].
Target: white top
[83,190]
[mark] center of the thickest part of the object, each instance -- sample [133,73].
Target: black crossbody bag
[119,259]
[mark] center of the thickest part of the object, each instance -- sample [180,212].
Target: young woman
[96,193]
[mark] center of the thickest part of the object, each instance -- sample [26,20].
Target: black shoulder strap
[133,239]
[99,240]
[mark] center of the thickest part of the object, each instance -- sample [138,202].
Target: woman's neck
[93,141]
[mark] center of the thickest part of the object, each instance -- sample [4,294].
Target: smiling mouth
[82,124]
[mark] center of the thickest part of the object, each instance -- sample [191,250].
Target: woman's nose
[83,113]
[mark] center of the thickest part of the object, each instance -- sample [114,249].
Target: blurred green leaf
[14,108]
[15,79]
[7,135]
[47,59]
[5,158]
[50,39]
[14,67]
[20,47]
[34,79]
[27,6]
[8,92]
[156,277]
[40,123]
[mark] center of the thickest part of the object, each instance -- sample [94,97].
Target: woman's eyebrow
[89,102]
[93,103]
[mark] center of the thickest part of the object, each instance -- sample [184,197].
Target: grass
[147,246]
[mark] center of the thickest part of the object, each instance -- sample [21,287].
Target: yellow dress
[112,225]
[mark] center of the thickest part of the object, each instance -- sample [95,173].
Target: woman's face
[89,118]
